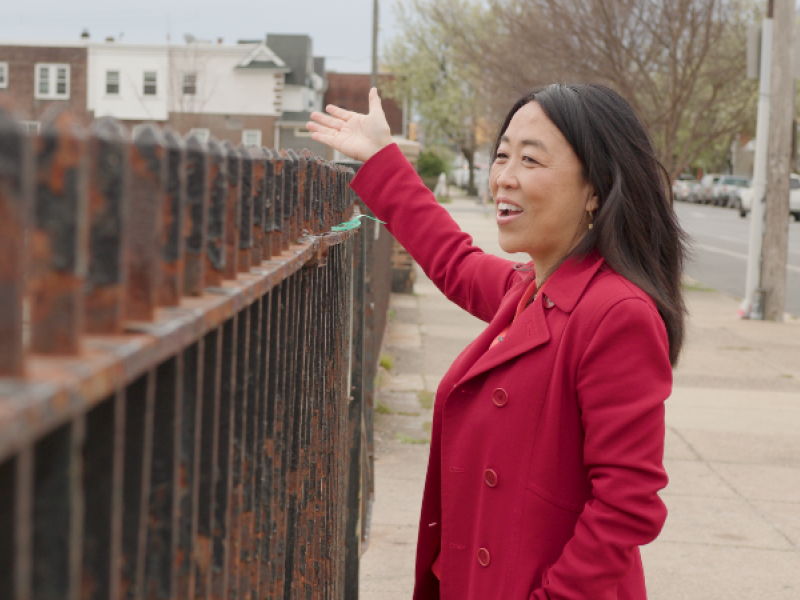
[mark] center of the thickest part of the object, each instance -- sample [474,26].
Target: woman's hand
[356,135]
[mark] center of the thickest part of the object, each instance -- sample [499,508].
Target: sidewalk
[732,447]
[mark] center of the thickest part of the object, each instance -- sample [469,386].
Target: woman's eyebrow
[537,143]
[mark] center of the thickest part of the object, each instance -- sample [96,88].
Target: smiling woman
[548,430]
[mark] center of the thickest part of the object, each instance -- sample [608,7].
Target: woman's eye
[530,159]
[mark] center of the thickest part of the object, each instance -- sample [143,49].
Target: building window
[112,83]
[201,134]
[3,75]
[31,127]
[301,132]
[149,83]
[52,81]
[251,137]
[189,84]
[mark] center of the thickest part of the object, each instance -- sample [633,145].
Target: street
[719,240]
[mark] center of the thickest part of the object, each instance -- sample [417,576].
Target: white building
[232,92]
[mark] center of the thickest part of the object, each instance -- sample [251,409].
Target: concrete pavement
[732,447]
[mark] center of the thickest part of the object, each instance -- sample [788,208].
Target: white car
[746,197]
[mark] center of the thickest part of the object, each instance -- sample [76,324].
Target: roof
[262,58]
[295,51]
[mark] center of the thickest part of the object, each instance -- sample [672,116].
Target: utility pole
[776,230]
[759,168]
[373,82]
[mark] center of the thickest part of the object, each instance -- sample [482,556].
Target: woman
[548,430]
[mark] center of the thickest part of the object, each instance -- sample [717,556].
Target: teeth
[503,206]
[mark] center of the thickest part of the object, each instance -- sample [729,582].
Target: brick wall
[22,80]
[351,91]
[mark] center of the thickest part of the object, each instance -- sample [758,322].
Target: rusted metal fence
[187,356]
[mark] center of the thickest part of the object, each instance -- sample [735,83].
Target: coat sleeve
[474,280]
[623,378]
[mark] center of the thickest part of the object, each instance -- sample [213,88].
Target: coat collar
[563,288]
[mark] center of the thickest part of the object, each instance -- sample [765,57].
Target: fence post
[147,186]
[172,258]
[16,194]
[198,200]
[108,217]
[58,240]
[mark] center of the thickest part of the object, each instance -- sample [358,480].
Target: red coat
[546,449]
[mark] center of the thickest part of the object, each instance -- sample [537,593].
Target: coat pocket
[572,506]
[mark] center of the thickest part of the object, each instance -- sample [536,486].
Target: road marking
[737,255]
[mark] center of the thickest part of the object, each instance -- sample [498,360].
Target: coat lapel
[530,329]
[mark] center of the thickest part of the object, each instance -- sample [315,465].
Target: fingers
[327,120]
[340,113]
[374,101]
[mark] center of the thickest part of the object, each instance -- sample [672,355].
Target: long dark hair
[635,228]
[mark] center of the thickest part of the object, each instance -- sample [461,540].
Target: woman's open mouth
[507,212]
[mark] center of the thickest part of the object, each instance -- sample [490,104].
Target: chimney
[219,40]
[110,39]
[85,34]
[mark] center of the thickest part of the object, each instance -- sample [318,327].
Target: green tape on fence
[353,223]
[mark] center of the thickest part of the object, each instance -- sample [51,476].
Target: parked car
[704,193]
[746,196]
[683,189]
[727,189]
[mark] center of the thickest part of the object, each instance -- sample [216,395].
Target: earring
[591,219]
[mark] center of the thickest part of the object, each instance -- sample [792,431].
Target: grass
[425,399]
[382,409]
[427,426]
[391,314]
[406,413]
[444,199]
[697,287]
[387,361]
[404,438]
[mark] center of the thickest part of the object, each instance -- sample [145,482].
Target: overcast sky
[341,30]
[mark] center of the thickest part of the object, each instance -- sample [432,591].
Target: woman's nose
[506,177]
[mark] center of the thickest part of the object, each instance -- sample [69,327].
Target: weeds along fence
[187,353]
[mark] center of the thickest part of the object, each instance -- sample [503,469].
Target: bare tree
[437,83]
[681,63]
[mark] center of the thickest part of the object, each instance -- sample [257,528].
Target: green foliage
[404,438]
[430,164]
[383,409]
[387,362]
[425,399]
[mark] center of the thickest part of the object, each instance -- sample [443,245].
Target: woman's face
[540,195]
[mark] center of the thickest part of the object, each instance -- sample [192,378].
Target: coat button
[483,557]
[490,477]
[500,397]
[548,303]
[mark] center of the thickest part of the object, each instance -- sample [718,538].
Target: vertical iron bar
[105,281]
[222,506]
[23,524]
[264,446]
[8,491]
[239,442]
[139,400]
[208,472]
[162,502]
[250,452]
[98,488]
[58,241]
[58,513]
[189,471]
[197,207]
